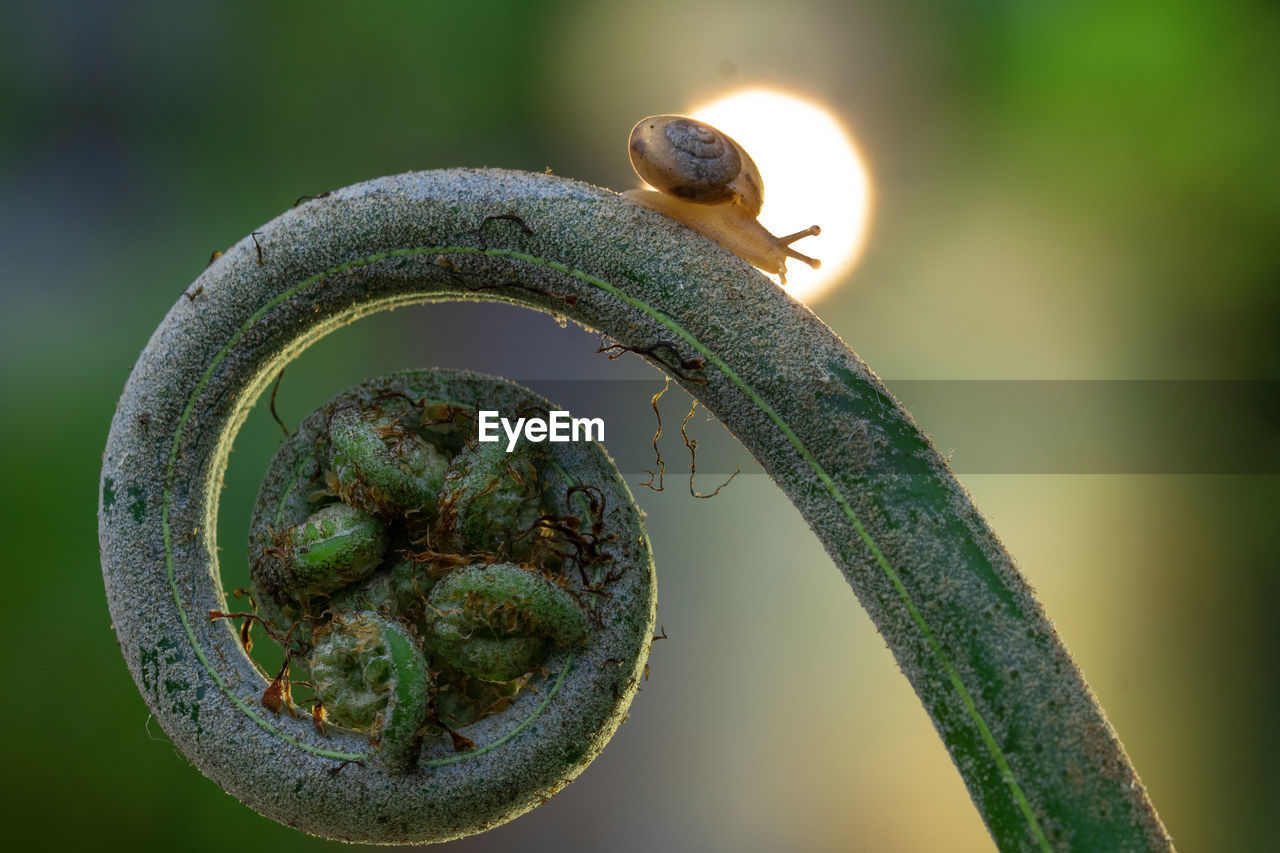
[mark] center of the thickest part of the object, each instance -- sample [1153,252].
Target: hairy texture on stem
[1036,752]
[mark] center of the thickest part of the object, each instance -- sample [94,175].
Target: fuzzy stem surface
[1040,760]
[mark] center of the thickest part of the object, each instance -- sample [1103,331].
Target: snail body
[704,179]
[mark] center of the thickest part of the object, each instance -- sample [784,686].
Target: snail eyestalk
[785,242]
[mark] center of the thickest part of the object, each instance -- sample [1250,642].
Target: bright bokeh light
[813,174]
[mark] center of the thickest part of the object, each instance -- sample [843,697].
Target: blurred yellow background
[1082,191]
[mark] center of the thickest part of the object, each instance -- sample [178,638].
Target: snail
[704,179]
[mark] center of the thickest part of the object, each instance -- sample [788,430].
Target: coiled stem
[1040,760]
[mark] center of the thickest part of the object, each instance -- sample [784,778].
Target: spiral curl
[1038,756]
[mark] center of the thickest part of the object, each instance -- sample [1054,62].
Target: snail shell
[695,162]
[701,177]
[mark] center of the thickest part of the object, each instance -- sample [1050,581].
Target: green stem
[1036,752]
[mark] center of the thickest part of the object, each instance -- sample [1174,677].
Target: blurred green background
[1063,191]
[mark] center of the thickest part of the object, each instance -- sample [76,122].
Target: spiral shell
[693,161]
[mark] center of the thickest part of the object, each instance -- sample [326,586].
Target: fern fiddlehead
[1041,763]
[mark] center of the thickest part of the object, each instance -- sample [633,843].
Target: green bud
[492,501]
[383,465]
[336,545]
[370,674]
[497,622]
